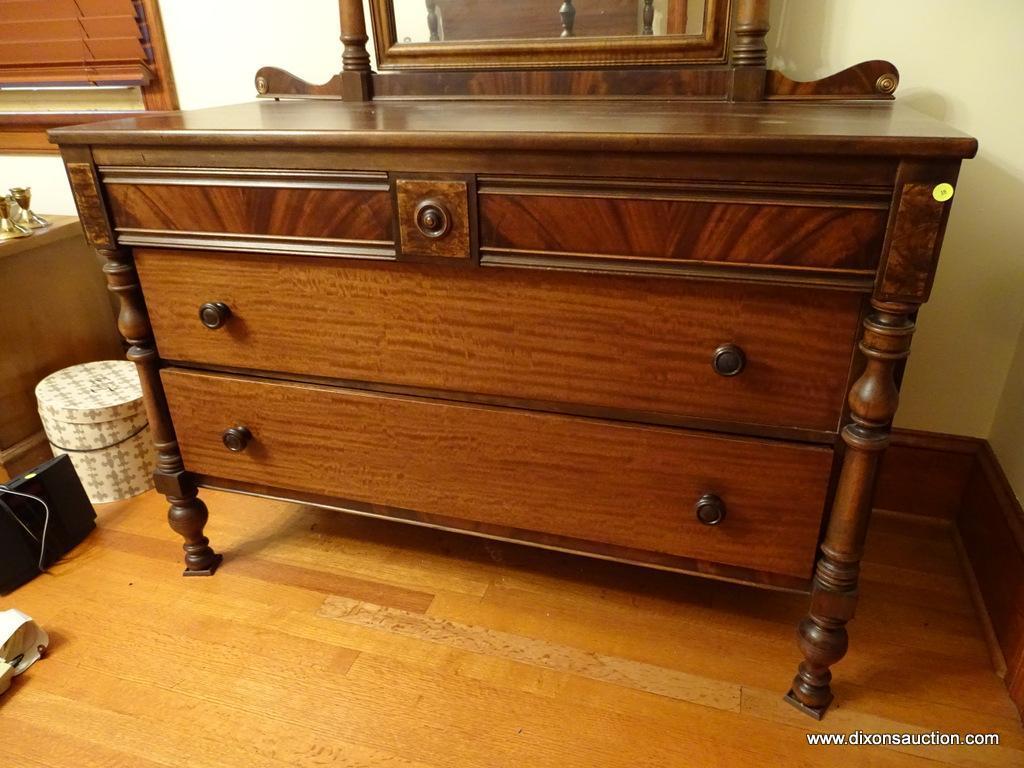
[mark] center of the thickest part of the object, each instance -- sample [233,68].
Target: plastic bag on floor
[22,642]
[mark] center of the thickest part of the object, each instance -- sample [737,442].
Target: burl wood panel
[452,197]
[796,236]
[85,189]
[630,343]
[587,479]
[340,214]
[914,245]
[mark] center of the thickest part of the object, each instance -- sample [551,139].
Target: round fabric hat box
[94,413]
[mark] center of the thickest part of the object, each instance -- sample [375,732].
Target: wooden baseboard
[24,455]
[959,480]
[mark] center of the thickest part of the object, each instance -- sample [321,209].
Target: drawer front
[636,344]
[613,483]
[323,212]
[638,226]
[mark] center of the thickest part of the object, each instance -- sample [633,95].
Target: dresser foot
[816,712]
[823,643]
[188,516]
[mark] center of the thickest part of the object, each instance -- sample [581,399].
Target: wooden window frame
[25,132]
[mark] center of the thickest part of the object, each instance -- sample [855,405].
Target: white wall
[958,62]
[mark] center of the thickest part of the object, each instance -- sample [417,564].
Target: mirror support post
[356,73]
[748,55]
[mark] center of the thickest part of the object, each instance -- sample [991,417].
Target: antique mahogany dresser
[623,292]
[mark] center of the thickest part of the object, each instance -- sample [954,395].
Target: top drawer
[790,230]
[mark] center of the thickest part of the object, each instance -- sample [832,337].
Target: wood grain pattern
[506,534]
[558,83]
[923,473]
[91,211]
[868,80]
[358,215]
[913,246]
[688,230]
[608,482]
[632,675]
[632,343]
[451,199]
[864,132]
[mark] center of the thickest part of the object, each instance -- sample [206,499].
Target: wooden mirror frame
[538,53]
[742,75]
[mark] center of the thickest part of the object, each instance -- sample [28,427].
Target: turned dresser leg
[822,635]
[187,514]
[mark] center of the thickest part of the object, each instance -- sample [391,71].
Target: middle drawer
[635,344]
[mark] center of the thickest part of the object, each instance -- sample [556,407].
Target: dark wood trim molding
[958,480]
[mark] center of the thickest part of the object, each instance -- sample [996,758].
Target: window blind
[74,42]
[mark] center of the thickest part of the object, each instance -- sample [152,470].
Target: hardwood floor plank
[612,669]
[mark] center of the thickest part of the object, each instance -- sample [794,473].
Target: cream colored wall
[957,62]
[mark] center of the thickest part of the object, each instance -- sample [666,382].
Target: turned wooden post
[432,20]
[648,19]
[187,514]
[749,54]
[568,14]
[356,73]
[873,399]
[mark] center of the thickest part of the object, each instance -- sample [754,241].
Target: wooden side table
[55,311]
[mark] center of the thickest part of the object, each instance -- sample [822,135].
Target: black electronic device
[32,538]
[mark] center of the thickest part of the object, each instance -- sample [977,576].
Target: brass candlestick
[23,197]
[8,229]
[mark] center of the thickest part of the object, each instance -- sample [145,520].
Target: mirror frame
[554,53]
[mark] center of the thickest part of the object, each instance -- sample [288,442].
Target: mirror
[533,34]
[418,21]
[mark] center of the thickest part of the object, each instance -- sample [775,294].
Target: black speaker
[22,520]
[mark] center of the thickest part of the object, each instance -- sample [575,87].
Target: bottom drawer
[612,483]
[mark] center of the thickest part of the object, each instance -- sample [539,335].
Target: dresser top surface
[864,128]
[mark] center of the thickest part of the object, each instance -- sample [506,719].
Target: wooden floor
[333,640]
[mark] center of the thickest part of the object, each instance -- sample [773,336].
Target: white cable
[46,521]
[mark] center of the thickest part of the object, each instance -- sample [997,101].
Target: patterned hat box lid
[90,393]
[94,412]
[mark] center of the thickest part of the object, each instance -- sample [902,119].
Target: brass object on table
[23,197]
[9,230]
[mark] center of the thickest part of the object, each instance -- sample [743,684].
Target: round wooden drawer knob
[728,360]
[432,219]
[213,314]
[710,509]
[236,438]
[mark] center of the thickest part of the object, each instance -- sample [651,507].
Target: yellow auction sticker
[943,192]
